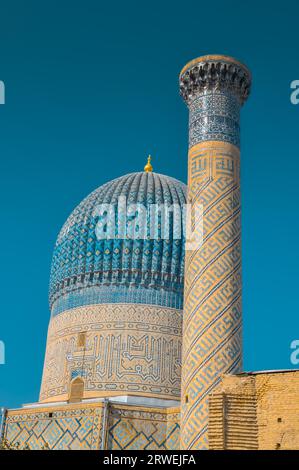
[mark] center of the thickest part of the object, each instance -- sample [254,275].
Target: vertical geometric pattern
[212,315]
[212,339]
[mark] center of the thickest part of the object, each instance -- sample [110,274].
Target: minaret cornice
[215,73]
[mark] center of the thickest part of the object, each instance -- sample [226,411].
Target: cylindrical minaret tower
[214,89]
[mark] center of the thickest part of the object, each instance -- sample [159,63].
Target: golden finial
[148,167]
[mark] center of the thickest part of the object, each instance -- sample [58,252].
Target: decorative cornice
[215,73]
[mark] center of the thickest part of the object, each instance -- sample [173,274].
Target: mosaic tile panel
[138,430]
[214,116]
[78,429]
[81,428]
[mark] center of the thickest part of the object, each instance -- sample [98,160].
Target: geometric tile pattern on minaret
[214,88]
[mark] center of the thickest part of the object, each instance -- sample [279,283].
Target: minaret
[214,89]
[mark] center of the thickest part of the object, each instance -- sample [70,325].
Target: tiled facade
[214,89]
[151,429]
[84,427]
[118,331]
[129,349]
[123,290]
[97,262]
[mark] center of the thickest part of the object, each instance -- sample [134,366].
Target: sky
[91,89]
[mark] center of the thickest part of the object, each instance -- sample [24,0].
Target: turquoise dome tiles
[89,270]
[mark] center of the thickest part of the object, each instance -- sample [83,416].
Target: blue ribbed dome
[88,270]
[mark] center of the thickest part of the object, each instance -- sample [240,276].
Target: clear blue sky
[91,88]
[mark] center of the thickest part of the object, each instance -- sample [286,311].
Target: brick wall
[278,410]
[255,411]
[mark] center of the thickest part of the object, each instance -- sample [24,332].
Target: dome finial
[148,167]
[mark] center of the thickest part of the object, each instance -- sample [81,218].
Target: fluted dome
[89,270]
